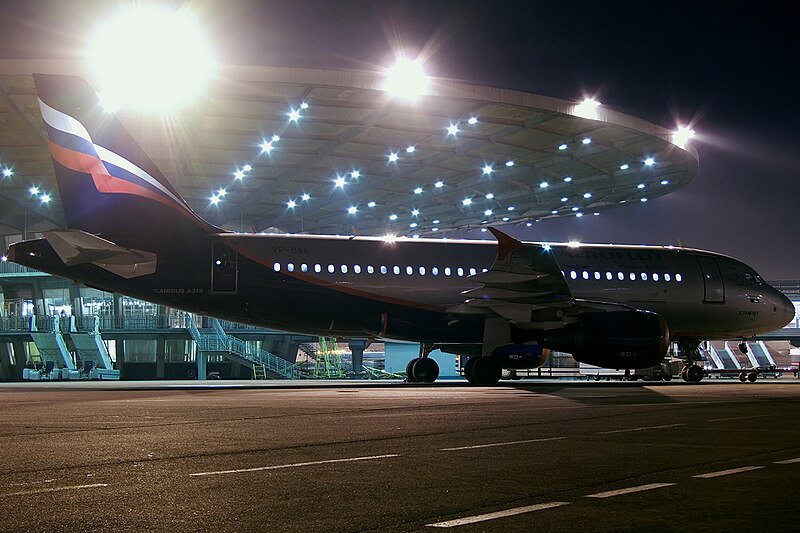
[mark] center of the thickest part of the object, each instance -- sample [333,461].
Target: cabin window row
[381,269]
[622,276]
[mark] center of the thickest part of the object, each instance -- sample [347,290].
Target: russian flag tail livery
[107,184]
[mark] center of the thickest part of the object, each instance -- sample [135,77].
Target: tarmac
[391,456]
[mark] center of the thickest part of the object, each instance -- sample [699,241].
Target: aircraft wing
[525,286]
[76,247]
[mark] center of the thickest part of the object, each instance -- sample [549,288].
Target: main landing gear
[691,372]
[482,370]
[422,369]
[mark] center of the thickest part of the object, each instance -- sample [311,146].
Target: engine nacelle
[520,356]
[619,339]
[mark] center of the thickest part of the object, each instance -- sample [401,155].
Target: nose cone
[786,310]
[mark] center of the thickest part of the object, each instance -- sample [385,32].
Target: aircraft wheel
[743,376]
[667,377]
[743,347]
[486,371]
[752,377]
[694,374]
[684,377]
[425,370]
[468,369]
[409,370]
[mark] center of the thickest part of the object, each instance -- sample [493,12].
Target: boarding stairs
[328,360]
[729,358]
[214,340]
[760,353]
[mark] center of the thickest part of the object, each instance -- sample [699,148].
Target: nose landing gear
[691,372]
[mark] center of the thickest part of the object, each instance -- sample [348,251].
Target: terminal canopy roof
[330,152]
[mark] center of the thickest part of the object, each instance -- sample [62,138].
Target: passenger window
[573,274]
[484,270]
[396,270]
[303,267]
[384,270]
[620,276]
[597,275]
[666,277]
[644,276]
[655,276]
[276,267]
[460,272]
[290,267]
[447,271]
[370,269]
[357,269]
[331,269]
[678,278]
[585,275]
[609,276]
[435,271]
[421,271]
[344,269]
[472,272]
[632,275]
[409,270]
[317,268]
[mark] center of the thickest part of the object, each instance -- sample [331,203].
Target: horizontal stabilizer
[76,247]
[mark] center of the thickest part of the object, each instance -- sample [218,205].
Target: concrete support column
[39,308]
[202,365]
[120,349]
[7,370]
[2,303]
[75,300]
[357,349]
[160,348]
[117,311]
[20,356]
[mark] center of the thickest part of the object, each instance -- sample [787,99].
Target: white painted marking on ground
[54,489]
[737,418]
[788,461]
[492,445]
[629,490]
[645,428]
[728,472]
[499,514]
[295,465]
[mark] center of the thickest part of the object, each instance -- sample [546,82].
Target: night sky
[731,73]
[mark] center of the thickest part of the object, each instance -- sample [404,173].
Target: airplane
[503,305]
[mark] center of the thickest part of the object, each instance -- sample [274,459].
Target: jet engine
[520,356]
[619,339]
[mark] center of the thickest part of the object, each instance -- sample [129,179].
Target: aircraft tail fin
[107,183]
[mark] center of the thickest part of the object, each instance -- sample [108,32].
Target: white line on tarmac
[498,514]
[295,465]
[54,489]
[788,461]
[629,490]
[737,418]
[665,426]
[510,443]
[728,472]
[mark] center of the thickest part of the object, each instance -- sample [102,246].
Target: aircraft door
[224,269]
[713,284]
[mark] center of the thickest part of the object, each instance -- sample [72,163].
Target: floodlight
[587,109]
[339,181]
[7,172]
[352,210]
[439,184]
[45,198]
[406,79]
[682,136]
[452,129]
[150,58]
[466,201]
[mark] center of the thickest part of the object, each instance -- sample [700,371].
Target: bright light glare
[587,109]
[151,58]
[7,172]
[34,190]
[45,198]
[406,79]
[682,136]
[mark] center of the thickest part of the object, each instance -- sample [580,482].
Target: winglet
[505,243]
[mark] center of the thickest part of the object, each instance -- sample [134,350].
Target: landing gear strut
[691,372]
[422,369]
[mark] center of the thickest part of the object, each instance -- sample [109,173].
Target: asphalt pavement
[344,456]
